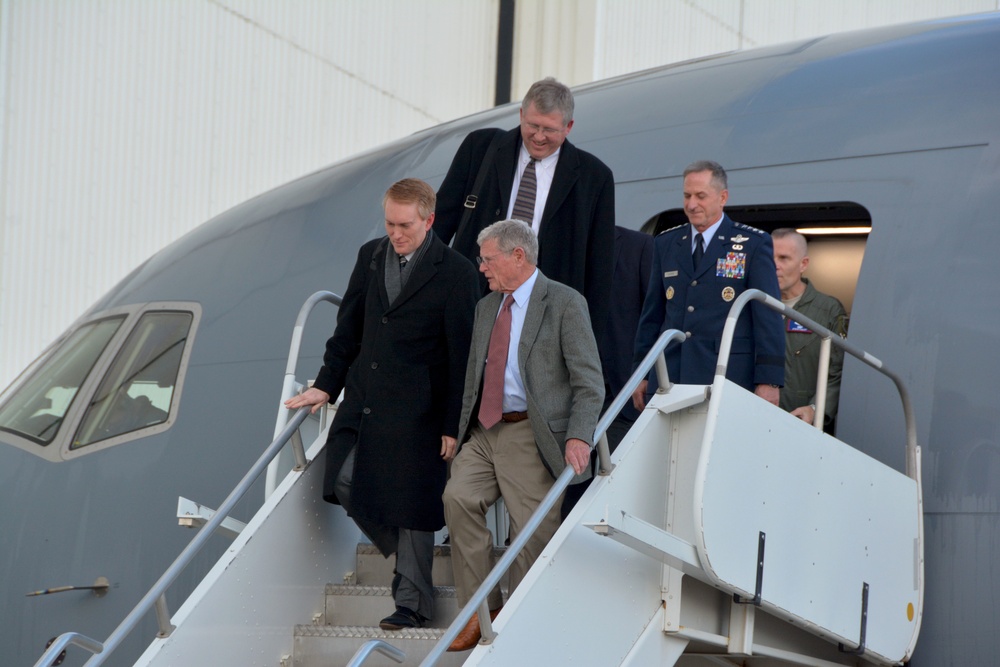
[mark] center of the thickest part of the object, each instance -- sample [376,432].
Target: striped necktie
[524,205]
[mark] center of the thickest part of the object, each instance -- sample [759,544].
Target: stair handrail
[376,646]
[653,359]
[478,603]
[289,385]
[912,453]
[155,598]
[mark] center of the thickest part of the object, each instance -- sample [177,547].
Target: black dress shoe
[402,618]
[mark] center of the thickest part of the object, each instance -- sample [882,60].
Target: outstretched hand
[311,396]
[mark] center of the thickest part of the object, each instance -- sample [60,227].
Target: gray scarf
[396,277]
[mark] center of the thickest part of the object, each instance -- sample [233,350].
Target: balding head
[790,260]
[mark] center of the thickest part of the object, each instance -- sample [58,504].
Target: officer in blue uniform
[698,271]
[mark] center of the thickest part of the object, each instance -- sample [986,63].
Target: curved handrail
[289,386]
[373,646]
[478,600]
[912,467]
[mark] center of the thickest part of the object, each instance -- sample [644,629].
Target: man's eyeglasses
[486,260]
[546,131]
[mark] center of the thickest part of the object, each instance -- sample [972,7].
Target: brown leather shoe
[471,634]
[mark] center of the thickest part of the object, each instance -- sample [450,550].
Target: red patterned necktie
[491,403]
[524,204]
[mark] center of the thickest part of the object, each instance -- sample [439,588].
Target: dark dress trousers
[633,263]
[576,232]
[402,369]
[697,302]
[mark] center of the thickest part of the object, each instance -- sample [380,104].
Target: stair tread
[377,591]
[367,632]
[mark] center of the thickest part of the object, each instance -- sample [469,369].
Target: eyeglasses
[487,260]
[546,131]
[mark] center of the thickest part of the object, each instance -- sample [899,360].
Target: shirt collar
[544,163]
[523,293]
[710,232]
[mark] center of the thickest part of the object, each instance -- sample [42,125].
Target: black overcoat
[576,236]
[402,369]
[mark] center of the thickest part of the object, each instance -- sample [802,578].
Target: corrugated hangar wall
[125,124]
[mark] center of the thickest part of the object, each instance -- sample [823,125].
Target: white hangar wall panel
[125,124]
[579,41]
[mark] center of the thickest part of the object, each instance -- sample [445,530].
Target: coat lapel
[505,165]
[489,306]
[377,268]
[682,250]
[422,272]
[567,173]
[532,320]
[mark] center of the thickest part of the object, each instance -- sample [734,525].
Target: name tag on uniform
[733,265]
[791,326]
[669,274]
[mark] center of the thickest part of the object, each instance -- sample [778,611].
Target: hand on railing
[639,395]
[312,396]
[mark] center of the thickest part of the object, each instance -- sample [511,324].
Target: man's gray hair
[510,234]
[719,178]
[549,95]
[798,239]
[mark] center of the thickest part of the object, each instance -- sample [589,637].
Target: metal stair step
[325,645]
[358,605]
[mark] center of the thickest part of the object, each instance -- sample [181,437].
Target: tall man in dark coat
[633,262]
[698,270]
[399,352]
[572,203]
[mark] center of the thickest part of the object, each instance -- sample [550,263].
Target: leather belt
[513,417]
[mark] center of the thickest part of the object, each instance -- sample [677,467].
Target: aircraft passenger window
[36,411]
[137,390]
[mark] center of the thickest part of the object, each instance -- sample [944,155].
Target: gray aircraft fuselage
[903,122]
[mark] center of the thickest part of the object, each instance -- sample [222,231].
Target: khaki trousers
[502,461]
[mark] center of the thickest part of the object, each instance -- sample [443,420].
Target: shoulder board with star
[672,229]
[748,228]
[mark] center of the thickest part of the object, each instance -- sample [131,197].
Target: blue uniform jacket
[697,301]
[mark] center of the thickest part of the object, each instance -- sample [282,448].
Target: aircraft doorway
[836,232]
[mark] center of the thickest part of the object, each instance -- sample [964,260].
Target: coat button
[385,320]
[687,333]
[367,411]
[374,365]
[694,283]
[690,309]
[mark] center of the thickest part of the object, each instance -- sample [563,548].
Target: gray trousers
[412,586]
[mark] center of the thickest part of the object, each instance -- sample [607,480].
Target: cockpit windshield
[137,389]
[37,410]
[113,379]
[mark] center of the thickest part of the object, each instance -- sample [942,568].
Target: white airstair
[726,532]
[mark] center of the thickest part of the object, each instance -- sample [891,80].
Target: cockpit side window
[115,378]
[137,390]
[38,409]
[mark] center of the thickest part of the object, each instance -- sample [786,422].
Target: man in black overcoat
[399,353]
[571,207]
